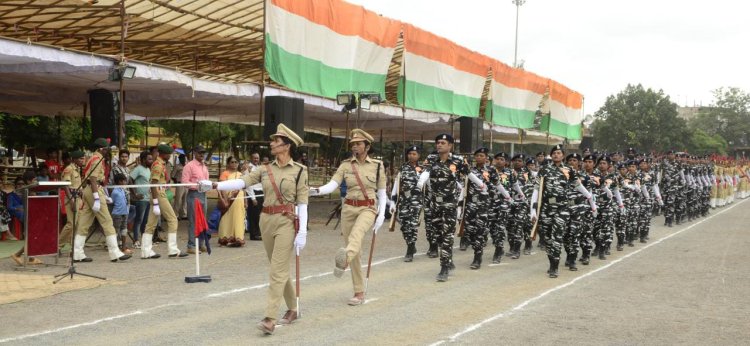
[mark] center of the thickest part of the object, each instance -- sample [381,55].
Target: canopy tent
[194,55]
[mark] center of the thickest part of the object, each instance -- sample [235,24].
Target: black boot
[528,245]
[443,275]
[631,237]
[567,260]
[572,265]
[606,250]
[602,252]
[477,261]
[516,250]
[668,222]
[498,256]
[553,264]
[411,249]
[464,244]
[432,252]
[620,241]
[585,257]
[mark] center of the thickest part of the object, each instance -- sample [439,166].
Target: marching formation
[579,203]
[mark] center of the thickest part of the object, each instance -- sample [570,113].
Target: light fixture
[367,99]
[344,99]
[120,72]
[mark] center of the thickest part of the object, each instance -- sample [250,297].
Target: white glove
[392,205]
[299,241]
[109,199]
[204,185]
[459,214]
[157,211]
[378,222]
[314,191]
[97,205]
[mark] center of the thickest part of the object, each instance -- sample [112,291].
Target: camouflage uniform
[555,214]
[500,209]
[444,191]
[608,211]
[647,204]
[586,236]
[476,216]
[521,221]
[670,186]
[409,201]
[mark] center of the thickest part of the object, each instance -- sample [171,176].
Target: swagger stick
[369,264]
[538,208]
[392,226]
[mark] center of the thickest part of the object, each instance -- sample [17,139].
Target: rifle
[538,208]
[392,226]
[463,208]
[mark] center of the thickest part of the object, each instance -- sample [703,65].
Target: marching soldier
[499,208]
[476,217]
[365,178]
[160,208]
[286,192]
[633,203]
[93,207]
[522,191]
[407,198]
[429,226]
[580,205]
[555,180]
[72,173]
[610,206]
[671,181]
[651,193]
[593,183]
[443,172]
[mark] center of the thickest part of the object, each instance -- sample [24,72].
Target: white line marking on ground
[519,307]
[191,301]
[370,300]
[496,264]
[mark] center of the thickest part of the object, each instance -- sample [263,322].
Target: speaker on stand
[471,132]
[105,111]
[283,110]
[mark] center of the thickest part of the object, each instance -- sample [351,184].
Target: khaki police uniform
[159,176]
[95,169]
[358,213]
[277,225]
[72,174]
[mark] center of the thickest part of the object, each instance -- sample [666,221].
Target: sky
[597,47]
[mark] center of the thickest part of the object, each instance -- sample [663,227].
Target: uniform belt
[360,202]
[279,209]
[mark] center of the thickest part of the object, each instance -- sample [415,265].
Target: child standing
[120,212]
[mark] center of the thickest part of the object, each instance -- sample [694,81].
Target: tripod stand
[72,267]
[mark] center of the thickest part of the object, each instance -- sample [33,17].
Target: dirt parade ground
[687,285]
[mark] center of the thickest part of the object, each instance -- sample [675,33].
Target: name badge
[552,200]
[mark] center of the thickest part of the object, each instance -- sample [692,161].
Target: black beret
[530,161]
[573,156]
[412,148]
[589,158]
[604,158]
[631,163]
[482,150]
[631,150]
[444,136]
[539,153]
[621,165]
[557,147]
[501,154]
[518,156]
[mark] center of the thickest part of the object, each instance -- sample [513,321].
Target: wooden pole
[121,121]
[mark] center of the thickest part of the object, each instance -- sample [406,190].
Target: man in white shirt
[256,203]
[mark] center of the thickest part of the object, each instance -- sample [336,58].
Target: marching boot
[114,251]
[516,250]
[585,257]
[78,255]
[572,265]
[528,245]
[464,244]
[606,250]
[553,264]
[477,261]
[620,241]
[498,256]
[411,249]
[602,252]
[146,244]
[174,252]
[443,275]
[630,240]
[668,222]
[432,252]
[567,260]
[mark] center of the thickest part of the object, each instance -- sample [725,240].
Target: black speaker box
[284,110]
[587,142]
[105,111]
[471,133]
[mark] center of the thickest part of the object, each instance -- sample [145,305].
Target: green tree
[728,117]
[641,118]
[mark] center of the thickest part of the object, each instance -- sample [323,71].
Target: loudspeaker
[471,133]
[284,110]
[587,142]
[105,111]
